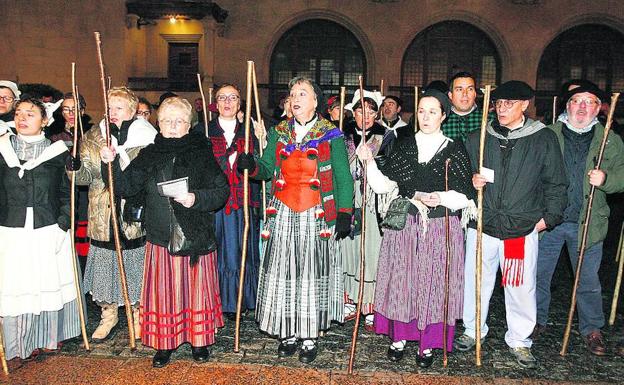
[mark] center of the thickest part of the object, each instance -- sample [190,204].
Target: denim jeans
[589,293]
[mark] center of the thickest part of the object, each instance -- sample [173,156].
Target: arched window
[321,50]
[591,51]
[445,48]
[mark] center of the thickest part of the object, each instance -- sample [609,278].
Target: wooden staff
[261,141]
[415,108]
[618,281]
[554,110]
[79,120]
[111,193]
[447,266]
[479,251]
[5,367]
[241,278]
[210,91]
[342,100]
[381,87]
[201,91]
[590,201]
[358,311]
[72,213]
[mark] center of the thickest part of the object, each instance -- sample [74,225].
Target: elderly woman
[180,300]
[37,290]
[409,297]
[300,288]
[128,135]
[228,141]
[9,95]
[350,247]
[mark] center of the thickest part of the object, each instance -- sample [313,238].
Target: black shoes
[200,354]
[425,360]
[162,358]
[287,348]
[395,355]
[307,354]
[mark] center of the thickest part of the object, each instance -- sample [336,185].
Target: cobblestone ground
[579,366]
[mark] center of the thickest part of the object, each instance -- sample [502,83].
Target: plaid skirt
[179,303]
[300,289]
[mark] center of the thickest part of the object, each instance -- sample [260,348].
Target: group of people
[181,250]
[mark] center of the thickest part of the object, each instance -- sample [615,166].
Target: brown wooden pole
[618,282]
[479,251]
[590,201]
[241,278]
[72,214]
[446,269]
[358,311]
[201,91]
[80,119]
[111,193]
[5,367]
[261,141]
[554,110]
[381,87]
[415,108]
[343,91]
[210,91]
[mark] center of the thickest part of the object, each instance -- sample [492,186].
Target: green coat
[613,166]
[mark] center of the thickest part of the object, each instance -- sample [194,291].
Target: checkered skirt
[300,288]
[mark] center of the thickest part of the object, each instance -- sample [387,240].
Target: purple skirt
[409,297]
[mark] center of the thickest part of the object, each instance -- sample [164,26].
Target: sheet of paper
[488,174]
[173,188]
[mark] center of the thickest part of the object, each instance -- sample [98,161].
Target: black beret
[513,90]
[587,86]
[396,99]
[442,97]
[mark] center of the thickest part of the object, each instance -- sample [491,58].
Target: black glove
[246,162]
[343,226]
[73,164]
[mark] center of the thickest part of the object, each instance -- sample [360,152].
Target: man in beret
[580,135]
[391,120]
[9,95]
[524,185]
[465,116]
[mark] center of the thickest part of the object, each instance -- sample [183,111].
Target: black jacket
[529,179]
[190,156]
[45,188]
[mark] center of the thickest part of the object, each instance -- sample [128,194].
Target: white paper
[488,174]
[174,188]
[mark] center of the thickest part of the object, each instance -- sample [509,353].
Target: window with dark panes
[183,65]
[591,51]
[319,49]
[442,50]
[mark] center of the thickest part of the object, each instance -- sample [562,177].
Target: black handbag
[178,244]
[397,213]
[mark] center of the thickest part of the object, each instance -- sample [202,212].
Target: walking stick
[415,108]
[111,193]
[5,367]
[381,87]
[554,110]
[72,213]
[210,91]
[342,100]
[241,277]
[618,281]
[590,201]
[261,141]
[446,268]
[79,120]
[358,311]
[201,91]
[479,251]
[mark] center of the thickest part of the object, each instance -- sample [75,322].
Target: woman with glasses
[227,135]
[9,95]
[144,109]
[350,247]
[180,287]
[128,135]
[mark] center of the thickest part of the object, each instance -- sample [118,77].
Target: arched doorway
[321,50]
[590,51]
[445,48]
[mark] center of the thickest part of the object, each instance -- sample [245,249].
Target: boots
[107,323]
[137,324]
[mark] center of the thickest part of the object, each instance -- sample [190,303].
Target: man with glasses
[580,134]
[9,95]
[524,185]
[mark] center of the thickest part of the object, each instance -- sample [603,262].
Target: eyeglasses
[68,110]
[144,113]
[172,123]
[7,99]
[507,103]
[588,101]
[231,98]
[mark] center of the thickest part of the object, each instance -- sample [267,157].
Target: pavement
[112,362]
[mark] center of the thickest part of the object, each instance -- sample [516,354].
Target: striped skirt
[180,303]
[300,289]
[410,275]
